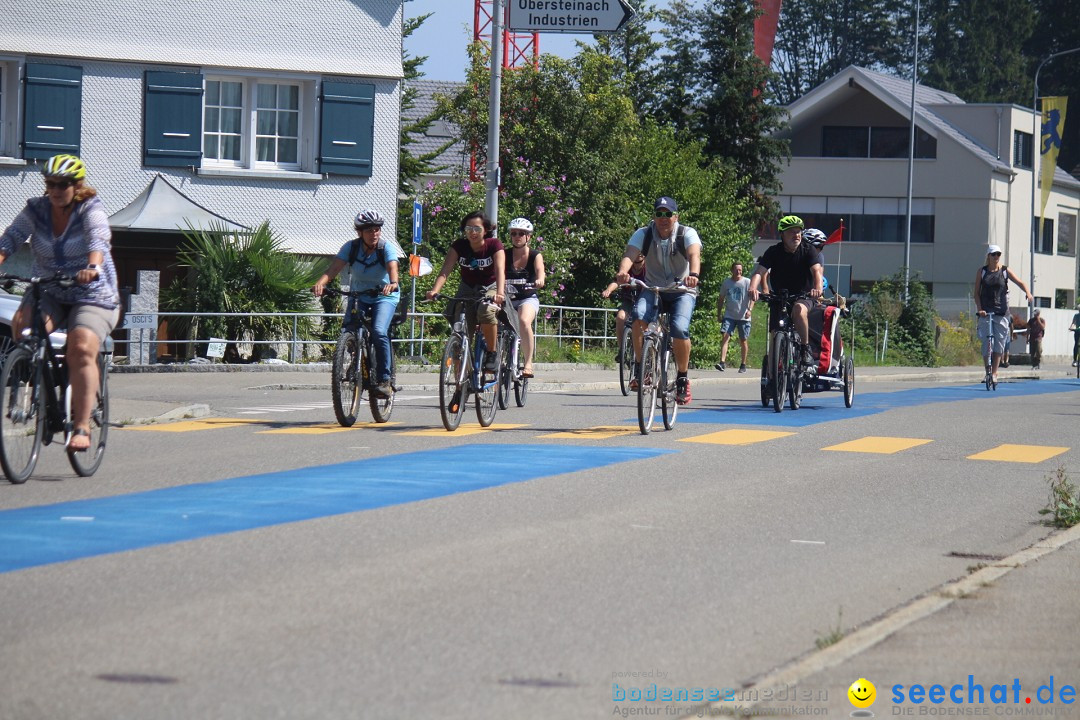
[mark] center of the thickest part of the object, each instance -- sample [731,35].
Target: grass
[1064,502]
[834,635]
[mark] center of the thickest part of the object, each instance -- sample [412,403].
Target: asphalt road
[288,568]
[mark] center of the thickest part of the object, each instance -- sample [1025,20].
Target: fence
[581,325]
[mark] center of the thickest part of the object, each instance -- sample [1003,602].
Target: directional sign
[569,16]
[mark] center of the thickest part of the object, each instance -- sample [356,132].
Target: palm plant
[232,271]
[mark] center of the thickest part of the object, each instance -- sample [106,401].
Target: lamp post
[911,155]
[1036,147]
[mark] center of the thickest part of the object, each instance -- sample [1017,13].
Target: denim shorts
[679,306]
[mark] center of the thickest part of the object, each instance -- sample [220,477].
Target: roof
[162,207]
[896,93]
[440,131]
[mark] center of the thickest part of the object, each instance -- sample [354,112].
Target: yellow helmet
[69,167]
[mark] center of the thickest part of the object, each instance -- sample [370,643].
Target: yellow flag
[1053,124]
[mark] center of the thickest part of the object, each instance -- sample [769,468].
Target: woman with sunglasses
[69,233]
[524,275]
[482,261]
[992,297]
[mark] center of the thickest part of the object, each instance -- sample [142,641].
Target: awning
[162,207]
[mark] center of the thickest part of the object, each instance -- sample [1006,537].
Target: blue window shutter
[53,117]
[348,128]
[172,120]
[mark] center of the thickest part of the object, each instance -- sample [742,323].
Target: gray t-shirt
[665,264]
[735,294]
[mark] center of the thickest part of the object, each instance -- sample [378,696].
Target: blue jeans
[679,307]
[381,311]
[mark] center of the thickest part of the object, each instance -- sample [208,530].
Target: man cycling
[794,266]
[672,254]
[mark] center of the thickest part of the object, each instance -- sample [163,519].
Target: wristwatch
[93,266]
[695,275]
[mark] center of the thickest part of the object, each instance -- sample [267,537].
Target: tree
[410,167]
[1057,29]
[634,51]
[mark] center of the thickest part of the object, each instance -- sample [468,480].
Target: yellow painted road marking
[600,432]
[737,437]
[880,445]
[323,428]
[464,429]
[192,425]
[1019,453]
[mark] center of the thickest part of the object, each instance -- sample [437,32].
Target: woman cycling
[524,276]
[69,233]
[373,266]
[482,261]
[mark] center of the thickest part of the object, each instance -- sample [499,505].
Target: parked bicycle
[658,374]
[782,370]
[462,373]
[35,395]
[353,372]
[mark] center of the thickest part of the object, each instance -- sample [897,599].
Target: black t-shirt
[791,271]
[526,276]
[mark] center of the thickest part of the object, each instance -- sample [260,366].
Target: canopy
[162,207]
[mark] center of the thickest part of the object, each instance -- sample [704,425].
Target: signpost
[569,16]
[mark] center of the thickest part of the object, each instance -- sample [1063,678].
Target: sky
[446,34]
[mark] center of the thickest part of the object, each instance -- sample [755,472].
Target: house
[971,186]
[247,112]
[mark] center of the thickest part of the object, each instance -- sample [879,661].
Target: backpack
[354,252]
[680,240]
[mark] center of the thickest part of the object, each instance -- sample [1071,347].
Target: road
[262,562]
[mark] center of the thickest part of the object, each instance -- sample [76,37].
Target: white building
[972,186]
[287,112]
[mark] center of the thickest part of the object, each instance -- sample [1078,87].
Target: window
[277,124]
[875,142]
[1066,235]
[1042,302]
[250,122]
[1045,245]
[5,74]
[1063,298]
[872,228]
[223,114]
[1022,149]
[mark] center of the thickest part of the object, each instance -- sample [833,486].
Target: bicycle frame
[51,365]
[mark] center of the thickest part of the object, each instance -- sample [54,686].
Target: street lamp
[1036,142]
[911,156]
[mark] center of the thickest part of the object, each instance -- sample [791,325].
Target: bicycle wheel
[345,379]
[506,378]
[795,383]
[765,381]
[647,385]
[849,382]
[487,403]
[382,407]
[453,390]
[22,420]
[781,348]
[85,463]
[668,406]
[521,383]
[626,365]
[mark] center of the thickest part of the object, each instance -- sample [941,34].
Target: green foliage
[911,323]
[957,344]
[241,272]
[1064,502]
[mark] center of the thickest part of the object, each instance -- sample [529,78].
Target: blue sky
[446,34]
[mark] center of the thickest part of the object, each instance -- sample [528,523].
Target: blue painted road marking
[68,531]
[829,406]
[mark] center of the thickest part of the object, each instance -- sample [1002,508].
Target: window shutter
[172,121]
[348,128]
[53,117]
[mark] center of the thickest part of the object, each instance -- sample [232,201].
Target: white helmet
[521,224]
[814,236]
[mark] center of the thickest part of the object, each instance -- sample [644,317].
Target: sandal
[526,374]
[78,432]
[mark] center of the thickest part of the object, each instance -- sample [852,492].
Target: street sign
[134,320]
[417,223]
[585,17]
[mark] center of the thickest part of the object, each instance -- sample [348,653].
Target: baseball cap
[666,203]
[993,249]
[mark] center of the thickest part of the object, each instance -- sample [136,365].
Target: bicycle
[462,372]
[513,366]
[656,377]
[988,353]
[782,370]
[626,356]
[354,365]
[35,395]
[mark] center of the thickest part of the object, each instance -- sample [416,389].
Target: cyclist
[69,233]
[373,266]
[1074,326]
[992,296]
[524,276]
[482,261]
[795,266]
[627,299]
[676,258]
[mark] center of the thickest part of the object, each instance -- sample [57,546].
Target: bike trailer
[826,344]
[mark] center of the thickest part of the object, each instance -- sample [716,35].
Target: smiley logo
[862,693]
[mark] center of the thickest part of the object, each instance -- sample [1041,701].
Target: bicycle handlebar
[634,282]
[62,279]
[374,292]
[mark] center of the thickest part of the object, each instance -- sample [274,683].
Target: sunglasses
[664,213]
[57,184]
[518,233]
[473,229]
[995,254]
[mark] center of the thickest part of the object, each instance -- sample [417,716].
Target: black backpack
[354,252]
[680,240]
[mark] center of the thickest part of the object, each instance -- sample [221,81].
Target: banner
[1053,124]
[837,234]
[765,29]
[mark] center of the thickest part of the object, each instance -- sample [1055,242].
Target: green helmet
[68,167]
[789,221]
